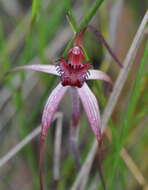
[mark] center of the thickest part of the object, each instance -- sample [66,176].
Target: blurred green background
[38,33]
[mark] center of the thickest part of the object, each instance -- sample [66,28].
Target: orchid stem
[74,27]
[35,10]
[84,22]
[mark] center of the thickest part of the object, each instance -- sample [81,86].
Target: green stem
[74,27]
[35,9]
[84,22]
[68,47]
[72,21]
[92,11]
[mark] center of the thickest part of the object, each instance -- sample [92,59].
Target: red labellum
[73,75]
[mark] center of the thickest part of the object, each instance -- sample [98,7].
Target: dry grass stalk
[128,62]
[24,142]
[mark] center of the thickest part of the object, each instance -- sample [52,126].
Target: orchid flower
[73,73]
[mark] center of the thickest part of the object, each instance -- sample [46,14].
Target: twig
[85,168]
[127,64]
[130,164]
[19,146]
[133,168]
[23,143]
[114,97]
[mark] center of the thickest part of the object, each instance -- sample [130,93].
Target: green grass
[43,24]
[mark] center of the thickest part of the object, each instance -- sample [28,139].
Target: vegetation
[41,32]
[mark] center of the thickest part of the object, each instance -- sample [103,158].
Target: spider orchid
[73,73]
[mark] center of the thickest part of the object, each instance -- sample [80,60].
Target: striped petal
[75,107]
[48,113]
[39,67]
[100,75]
[91,108]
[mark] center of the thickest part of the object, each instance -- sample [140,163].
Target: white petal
[51,106]
[39,67]
[100,75]
[91,108]
[49,110]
